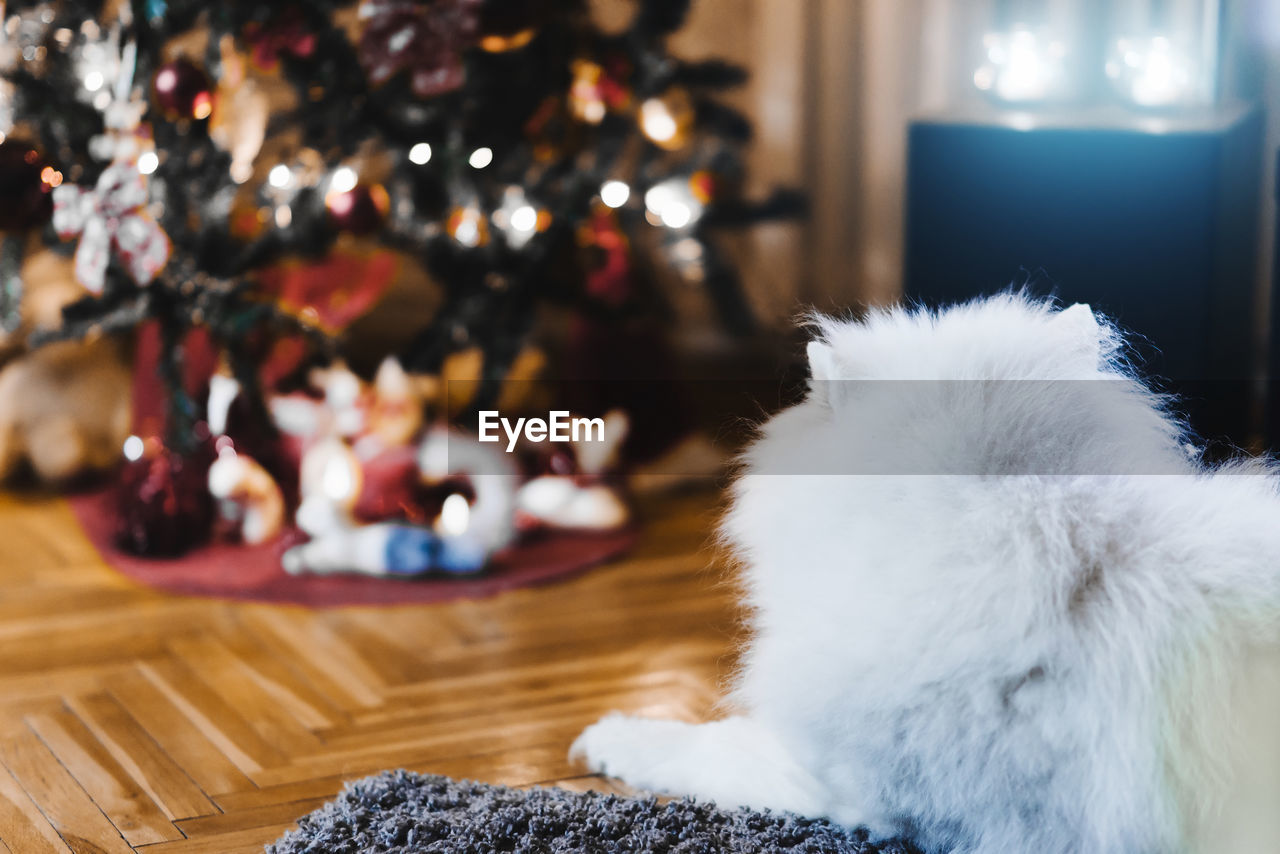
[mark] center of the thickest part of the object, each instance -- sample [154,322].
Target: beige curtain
[834,83]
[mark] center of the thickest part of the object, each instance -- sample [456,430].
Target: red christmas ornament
[26,186]
[286,33]
[423,41]
[608,253]
[182,90]
[163,503]
[360,210]
[704,185]
[597,90]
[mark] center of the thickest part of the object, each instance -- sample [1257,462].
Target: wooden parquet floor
[137,721]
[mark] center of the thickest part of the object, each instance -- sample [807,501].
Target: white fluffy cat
[1002,611]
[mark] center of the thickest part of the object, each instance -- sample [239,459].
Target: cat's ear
[1080,319]
[1081,329]
[822,361]
[825,377]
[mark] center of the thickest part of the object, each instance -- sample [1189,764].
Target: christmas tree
[519,152]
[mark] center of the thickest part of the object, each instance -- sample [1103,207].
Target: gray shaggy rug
[397,812]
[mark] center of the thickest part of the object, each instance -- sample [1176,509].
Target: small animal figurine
[461,539]
[340,412]
[248,497]
[390,549]
[579,493]
[352,424]
[395,407]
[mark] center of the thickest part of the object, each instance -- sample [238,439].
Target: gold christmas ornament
[502,43]
[666,120]
[468,227]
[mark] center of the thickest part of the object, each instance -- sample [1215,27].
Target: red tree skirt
[253,573]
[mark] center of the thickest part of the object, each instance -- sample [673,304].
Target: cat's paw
[733,762]
[614,746]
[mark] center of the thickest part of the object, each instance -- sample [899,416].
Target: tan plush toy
[64,408]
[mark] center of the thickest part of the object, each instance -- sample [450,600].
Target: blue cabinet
[1153,220]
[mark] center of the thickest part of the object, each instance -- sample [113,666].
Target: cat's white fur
[1003,611]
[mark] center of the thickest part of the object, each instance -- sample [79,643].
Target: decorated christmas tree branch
[522,154]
